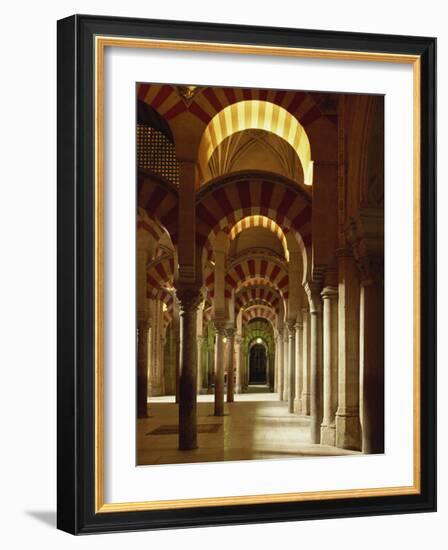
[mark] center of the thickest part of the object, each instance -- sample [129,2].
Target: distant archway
[258,365]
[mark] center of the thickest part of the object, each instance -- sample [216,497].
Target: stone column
[372,365]
[279,345]
[142,367]
[306,395]
[156,364]
[348,427]
[176,328]
[275,365]
[189,299]
[162,364]
[315,301]
[292,365]
[238,359]
[200,340]
[366,235]
[299,372]
[219,369]
[230,332]
[330,356]
[285,365]
[210,367]
[149,362]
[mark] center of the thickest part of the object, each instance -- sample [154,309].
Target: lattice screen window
[155,152]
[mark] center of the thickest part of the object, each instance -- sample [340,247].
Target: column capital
[220,327]
[365,233]
[329,293]
[189,297]
[291,328]
[313,290]
[230,332]
[372,270]
[143,325]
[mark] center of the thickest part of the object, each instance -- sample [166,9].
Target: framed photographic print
[246,274]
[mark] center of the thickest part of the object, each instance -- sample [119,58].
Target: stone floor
[256,426]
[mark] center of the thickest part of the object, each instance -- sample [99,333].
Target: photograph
[259,274]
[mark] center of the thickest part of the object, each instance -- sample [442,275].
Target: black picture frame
[76,255]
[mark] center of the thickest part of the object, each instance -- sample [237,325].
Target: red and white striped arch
[148,224]
[257,294]
[260,221]
[167,299]
[230,199]
[206,102]
[159,199]
[160,276]
[260,311]
[261,268]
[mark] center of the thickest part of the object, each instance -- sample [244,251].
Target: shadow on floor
[48,517]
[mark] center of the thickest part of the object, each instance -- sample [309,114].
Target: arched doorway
[258,371]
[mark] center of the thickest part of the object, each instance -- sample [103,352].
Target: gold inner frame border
[101,42]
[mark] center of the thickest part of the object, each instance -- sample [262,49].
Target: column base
[305,403]
[156,390]
[348,431]
[187,446]
[219,411]
[297,406]
[328,434]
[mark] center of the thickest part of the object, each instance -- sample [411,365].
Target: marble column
[156,363]
[230,364]
[275,365]
[280,364]
[372,365]
[366,236]
[219,369]
[210,366]
[162,364]
[200,341]
[238,362]
[176,328]
[299,371]
[189,299]
[142,368]
[348,427]
[149,360]
[292,365]
[285,393]
[305,401]
[315,301]
[330,359]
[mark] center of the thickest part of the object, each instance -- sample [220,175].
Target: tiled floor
[256,426]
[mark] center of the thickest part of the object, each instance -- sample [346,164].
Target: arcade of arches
[259,271]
